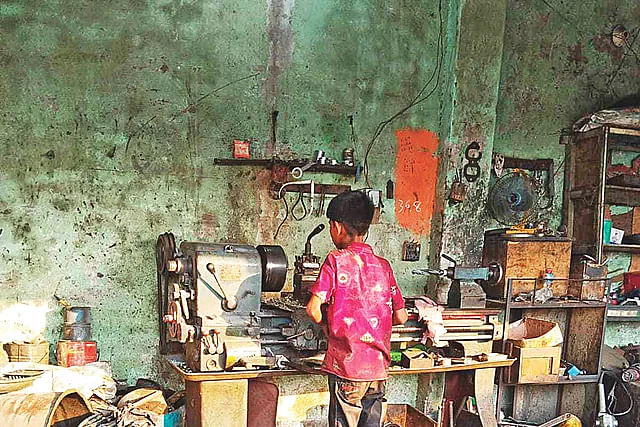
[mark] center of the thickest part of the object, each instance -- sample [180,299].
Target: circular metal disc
[274,267]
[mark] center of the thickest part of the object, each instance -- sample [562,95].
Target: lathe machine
[212,308]
[209,301]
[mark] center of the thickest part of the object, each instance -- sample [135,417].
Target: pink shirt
[362,295]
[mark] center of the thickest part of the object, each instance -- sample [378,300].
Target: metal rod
[446,337]
[270,331]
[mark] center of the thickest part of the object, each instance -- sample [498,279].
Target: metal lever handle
[307,246]
[448,258]
[228,304]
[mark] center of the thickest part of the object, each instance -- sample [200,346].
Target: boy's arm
[313,309]
[400,316]
[322,290]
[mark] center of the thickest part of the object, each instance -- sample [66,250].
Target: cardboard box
[533,364]
[587,290]
[416,358]
[530,332]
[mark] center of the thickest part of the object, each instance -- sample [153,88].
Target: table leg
[483,388]
[217,403]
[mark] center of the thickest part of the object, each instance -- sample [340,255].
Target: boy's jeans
[356,403]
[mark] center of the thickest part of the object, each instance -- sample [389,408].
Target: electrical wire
[629,49]
[286,216]
[416,100]
[611,399]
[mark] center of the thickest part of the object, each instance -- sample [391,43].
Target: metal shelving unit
[587,191]
[583,334]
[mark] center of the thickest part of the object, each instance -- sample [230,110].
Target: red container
[241,149]
[76,353]
[630,282]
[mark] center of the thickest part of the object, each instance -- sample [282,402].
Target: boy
[363,301]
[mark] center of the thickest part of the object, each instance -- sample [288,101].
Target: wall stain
[603,43]
[280,34]
[576,54]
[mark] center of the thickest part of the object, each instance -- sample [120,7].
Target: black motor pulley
[274,267]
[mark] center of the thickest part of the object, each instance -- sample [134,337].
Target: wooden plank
[268,373]
[528,164]
[584,338]
[622,248]
[625,131]
[318,188]
[269,163]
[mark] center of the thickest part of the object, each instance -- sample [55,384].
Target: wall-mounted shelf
[270,163]
[623,313]
[582,328]
[621,248]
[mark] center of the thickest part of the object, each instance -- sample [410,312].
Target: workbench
[221,398]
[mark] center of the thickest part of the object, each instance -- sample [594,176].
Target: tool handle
[307,246]
[315,231]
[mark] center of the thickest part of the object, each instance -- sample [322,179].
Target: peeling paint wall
[113,112]
[559,64]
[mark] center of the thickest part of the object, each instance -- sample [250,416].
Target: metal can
[348,157]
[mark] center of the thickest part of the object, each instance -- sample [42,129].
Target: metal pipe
[465,337]
[406,329]
[450,328]
[274,342]
[270,331]
[470,328]
[447,337]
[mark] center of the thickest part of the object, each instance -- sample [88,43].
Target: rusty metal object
[43,409]
[28,352]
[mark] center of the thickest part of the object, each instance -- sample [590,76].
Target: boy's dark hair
[353,209]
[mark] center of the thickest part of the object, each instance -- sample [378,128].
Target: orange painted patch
[416,177]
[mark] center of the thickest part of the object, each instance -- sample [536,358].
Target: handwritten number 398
[407,206]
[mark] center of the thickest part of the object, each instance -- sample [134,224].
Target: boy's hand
[400,317]
[314,309]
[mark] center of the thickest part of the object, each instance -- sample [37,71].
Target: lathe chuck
[274,267]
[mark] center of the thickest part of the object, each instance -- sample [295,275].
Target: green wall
[559,64]
[112,114]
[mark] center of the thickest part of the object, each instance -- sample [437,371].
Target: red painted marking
[416,177]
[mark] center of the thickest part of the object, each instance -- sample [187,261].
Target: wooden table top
[308,370]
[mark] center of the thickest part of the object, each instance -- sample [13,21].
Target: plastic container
[606,231]
[34,353]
